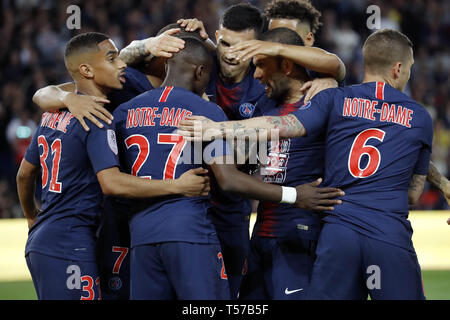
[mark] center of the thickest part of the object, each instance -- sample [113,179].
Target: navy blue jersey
[377,138]
[290,162]
[69,158]
[242,100]
[239,100]
[147,139]
[136,83]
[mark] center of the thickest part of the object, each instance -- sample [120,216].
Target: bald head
[194,53]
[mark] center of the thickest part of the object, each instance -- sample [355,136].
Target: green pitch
[437,287]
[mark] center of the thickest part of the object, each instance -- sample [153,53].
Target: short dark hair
[282,35]
[183,33]
[83,41]
[194,52]
[243,16]
[301,10]
[384,48]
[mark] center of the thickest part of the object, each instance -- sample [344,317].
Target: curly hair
[302,10]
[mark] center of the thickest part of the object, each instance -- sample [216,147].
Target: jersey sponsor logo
[112,142]
[288,292]
[305,106]
[365,108]
[246,110]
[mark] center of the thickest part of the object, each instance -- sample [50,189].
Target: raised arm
[312,58]
[199,128]
[52,98]
[26,178]
[438,180]
[163,45]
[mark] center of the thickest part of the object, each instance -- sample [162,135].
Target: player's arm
[26,178]
[195,25]
[416,188]
[52,98]
[116,183]
[307,196]
[311,58]
[438,180]
[198,128]
[163,45]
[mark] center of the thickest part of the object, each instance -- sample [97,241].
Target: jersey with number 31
[69,158]
[377,138]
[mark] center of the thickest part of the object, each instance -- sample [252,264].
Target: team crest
[246,110]
[115,283]
[112,141]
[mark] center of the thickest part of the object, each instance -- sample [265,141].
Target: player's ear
[86,70]
[287,66]
[309,39]
[199,72]
[217,36]
[396,70]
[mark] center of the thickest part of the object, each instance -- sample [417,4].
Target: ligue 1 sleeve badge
[246,110]
[112,142]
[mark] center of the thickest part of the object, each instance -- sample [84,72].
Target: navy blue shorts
[113,251]
[235,247]
[178,270]
[278,269]
[59,279]
[350,265]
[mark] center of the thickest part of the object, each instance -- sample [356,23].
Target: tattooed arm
[438,180]
[415,188]
[276,127]
[163,45]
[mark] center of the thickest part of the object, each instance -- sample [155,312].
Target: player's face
[267,71]
[405,73]
[230,68]
[108,68]
[301,28]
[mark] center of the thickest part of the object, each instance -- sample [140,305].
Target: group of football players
[134,207]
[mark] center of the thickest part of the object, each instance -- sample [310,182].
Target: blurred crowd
[33,34]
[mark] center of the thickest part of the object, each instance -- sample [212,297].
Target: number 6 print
[359,148]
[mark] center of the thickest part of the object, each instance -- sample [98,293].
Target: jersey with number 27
[150,148]
[377,138]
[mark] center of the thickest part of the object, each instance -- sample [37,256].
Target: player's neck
[294,94]
[378,78]
[179,82]
[90,88]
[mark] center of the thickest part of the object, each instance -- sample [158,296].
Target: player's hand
[248,49]
[310,197]
[199,128]
[89,107]
[194,183]
[192,25]
[313,87]
[165,44]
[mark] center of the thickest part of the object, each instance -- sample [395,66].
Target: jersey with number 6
[151,149]
[69,158]
[377,138]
